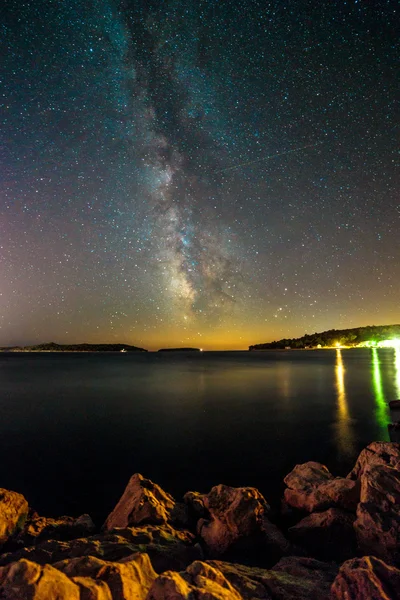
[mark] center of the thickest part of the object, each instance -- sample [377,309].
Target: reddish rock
[238,525]
[377,453]
[378,515]
[13,513]
[366,578]
[143,502]
[25,580]
[327,535]
[311,487]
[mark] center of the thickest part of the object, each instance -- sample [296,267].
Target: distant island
[52,347]
[179,350]
[369,336]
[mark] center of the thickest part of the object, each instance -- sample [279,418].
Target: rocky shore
[333,537]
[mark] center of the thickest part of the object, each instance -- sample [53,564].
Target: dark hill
[52,347]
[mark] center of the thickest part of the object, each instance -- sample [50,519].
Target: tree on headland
[335,337]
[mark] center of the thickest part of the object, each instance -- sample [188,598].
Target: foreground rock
[238,523]
[377,453]
[144,502]
[79,579]
[378,515]
[166,547]
[300,578]
[328,535]
[311,487]
[366,578]
[13,514]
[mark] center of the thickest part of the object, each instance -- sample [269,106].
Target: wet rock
[143,502]
[366,578]
[311,487]
[13,513]
[38,528]
[378,515]
[167,547]
[25,580]
[377,453]
[238,524]
[327,535]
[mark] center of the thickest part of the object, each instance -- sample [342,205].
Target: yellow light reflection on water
[345,432]
[381,411]
[397,370]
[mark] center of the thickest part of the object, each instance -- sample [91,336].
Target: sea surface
[75,427]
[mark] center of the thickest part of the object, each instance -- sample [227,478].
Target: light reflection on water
[345,434]
[381,410]
[397,370]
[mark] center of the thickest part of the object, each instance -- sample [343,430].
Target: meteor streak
[270,157]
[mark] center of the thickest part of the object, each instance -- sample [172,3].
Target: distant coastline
[52,347]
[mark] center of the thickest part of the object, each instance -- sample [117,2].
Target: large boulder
[366,578]
[378,515]
[327,535]
[28,581]
[144,502]
[377,453]
[300,578]
[238,523]
[13,514]
[311,487]
[167,547]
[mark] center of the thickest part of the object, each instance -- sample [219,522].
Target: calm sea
[74,427]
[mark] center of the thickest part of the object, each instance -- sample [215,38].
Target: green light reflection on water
[381,410]
[397,370]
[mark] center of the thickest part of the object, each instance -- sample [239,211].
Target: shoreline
[327,540]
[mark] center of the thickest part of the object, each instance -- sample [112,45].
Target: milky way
[198,173]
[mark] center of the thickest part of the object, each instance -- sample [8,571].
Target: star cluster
[207,173]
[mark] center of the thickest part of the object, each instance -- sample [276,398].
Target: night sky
[203,173]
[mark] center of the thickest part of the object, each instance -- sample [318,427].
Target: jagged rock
[129,579]
[167,547]
[327,535]
[62,528]
[366,578]
[378,515]
[200,580]
[311,487]
[13,513]
[377,453]
[238,524]
[25,580]
[300,578]
[143,502]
